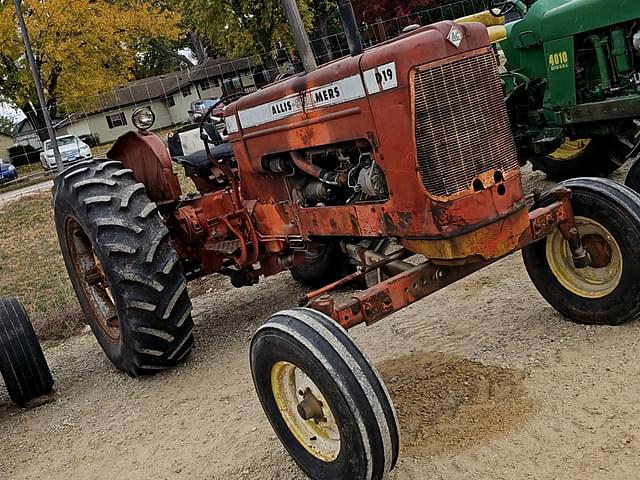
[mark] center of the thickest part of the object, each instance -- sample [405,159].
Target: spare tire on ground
[22,363]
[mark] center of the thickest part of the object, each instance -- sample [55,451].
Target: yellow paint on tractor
[570,150]
[495,25]
[487,243]
[485,18]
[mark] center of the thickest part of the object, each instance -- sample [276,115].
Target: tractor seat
[199,159]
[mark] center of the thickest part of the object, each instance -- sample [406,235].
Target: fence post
[38,84]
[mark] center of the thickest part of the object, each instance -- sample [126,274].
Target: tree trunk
[36,119]
[323,30]
[199,49]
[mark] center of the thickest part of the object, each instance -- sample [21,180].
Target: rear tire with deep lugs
[123,267]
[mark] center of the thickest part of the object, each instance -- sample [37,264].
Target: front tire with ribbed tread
[615,211]
[353,399]
[100,206]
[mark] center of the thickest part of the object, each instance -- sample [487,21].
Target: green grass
[29,169]
[32,268]
[31,265]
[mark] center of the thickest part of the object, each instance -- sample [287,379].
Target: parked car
[7,171]
[199,107]
[72,150]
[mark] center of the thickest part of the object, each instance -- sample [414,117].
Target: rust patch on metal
[405,219]
[377,306]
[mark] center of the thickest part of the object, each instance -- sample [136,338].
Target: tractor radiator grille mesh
[461,124]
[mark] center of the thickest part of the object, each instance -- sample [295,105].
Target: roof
[24,126]
[162,86]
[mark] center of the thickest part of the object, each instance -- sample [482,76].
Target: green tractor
[571,73]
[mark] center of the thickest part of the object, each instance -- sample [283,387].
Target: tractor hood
[306,97]
[552,19]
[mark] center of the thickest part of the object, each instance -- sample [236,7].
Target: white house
[6,142]
[109,115]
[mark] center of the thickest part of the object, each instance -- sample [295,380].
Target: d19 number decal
[381,78]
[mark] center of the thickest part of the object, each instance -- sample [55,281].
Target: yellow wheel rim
[570,149]
[605,272]
[293,391]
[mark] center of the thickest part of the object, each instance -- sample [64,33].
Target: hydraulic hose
[329,177]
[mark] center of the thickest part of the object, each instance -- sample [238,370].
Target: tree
[323,12]
[6,124]
[244,27]
[82,48]
[370,10]
[170,55]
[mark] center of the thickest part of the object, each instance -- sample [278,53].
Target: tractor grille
[461,122]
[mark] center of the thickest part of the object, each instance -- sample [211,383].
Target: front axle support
[373,304]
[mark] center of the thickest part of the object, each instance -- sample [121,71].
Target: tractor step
[227,248]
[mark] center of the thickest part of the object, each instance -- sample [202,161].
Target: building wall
[5,143]
[166,114]
[179,111]
[28,139]
[97,124]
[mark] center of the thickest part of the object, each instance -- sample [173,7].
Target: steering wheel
[208,132]
[223,101]
[503,7]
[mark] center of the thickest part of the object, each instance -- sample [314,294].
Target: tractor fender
[147,156]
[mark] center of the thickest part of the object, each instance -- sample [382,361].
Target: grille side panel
[461,124]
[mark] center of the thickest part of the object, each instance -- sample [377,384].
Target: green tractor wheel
[633,177]
[589,157]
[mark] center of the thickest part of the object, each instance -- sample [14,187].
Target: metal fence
[31,265]
[98,120]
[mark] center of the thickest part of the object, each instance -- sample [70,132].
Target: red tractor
[403,149]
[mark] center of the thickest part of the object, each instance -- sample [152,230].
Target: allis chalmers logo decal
[455,36]
[314,98]
[282,107]
[341,91]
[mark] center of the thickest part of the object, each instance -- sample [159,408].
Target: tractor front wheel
[607,291]
[324,400]
[582,158]
[123,267]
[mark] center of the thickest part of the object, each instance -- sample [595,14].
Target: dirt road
[21,192]
[489,382]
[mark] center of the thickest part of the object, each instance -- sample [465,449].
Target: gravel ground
[489,381]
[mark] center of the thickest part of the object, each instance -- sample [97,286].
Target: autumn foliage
[82,47]
[370,10]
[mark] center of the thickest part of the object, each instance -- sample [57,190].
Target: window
[171,102]
[186,90]
[233,84]
[116,120]
[216,82]
[205,85]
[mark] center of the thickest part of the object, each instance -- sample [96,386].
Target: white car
[72,149]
